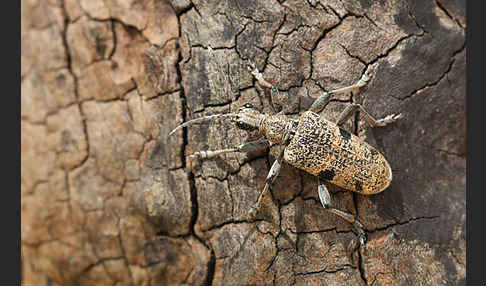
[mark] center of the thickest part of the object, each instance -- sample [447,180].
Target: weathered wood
[108,199]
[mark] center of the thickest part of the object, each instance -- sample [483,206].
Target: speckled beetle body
[323,149]
[315,145]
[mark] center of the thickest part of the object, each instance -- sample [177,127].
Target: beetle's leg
[262,81]
[265,84]
[321,102]
[272,175]
[324,99]
[325,198]
[352,108]
[240,148]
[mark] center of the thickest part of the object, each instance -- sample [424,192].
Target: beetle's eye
[244,126]
[250,106]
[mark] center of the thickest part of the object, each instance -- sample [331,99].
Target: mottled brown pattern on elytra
[320,147]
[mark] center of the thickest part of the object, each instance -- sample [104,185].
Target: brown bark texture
[107,198]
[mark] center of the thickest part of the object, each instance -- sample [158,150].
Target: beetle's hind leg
[325,198]
[372,122]
[324,99]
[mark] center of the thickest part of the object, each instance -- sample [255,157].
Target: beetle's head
[248,117]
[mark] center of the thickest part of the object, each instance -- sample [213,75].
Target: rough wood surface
[108,199]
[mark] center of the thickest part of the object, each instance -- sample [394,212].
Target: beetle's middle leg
[321,102]
[272,175]
[325,198]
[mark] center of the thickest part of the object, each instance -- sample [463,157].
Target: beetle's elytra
[323,149]
[315,145]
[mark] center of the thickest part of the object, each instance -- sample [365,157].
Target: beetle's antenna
[199,120]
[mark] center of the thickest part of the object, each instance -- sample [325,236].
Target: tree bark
[107,198]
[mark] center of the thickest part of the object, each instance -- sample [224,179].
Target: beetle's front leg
[265,83]
[246,147]
[272,175]
[325,198]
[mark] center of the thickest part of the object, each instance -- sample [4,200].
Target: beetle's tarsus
[363,80]
[361,234]
[362,239]
[388,119]
[252,214]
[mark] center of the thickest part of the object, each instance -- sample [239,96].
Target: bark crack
[320,38]
[75,80]
[346,266]
[399,223]
[361,267]
[436,82]
[210,267]
[441,7]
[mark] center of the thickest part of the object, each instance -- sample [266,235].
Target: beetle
[316,145]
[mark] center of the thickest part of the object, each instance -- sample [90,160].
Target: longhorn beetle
[315,145]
